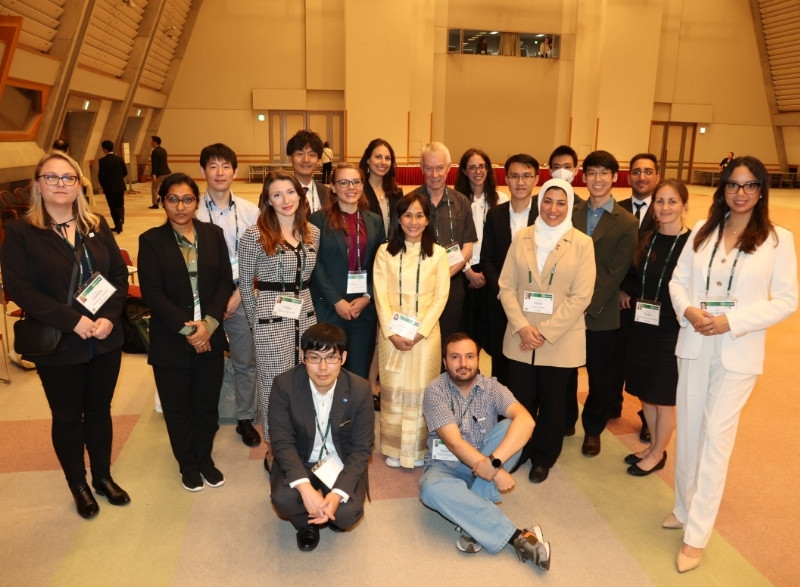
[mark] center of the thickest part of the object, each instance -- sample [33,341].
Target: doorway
[673,143]
[283,124]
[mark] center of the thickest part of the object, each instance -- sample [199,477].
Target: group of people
[325,293]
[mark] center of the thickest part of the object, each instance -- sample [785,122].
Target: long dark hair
[397,241]
[462,179]
[759,227]
[389,184]
[268,224]
[644,243]
[332,210]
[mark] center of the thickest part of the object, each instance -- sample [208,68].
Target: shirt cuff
[341,494]
[294,484]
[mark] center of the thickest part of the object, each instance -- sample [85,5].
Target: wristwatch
[496,463]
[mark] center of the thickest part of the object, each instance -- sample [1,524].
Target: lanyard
[449,218]
[61,230]
[711,260]
[302,267]
[400,279]
[358,240]
[664,268]
[312,188]
[549,281]
[324,448]
[464,412]
[235,220]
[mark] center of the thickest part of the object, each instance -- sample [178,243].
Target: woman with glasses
[475,179]
[412,282]
[56,248]
[341,285]
[276,257]
[737,277]
[380,168]
[186,279]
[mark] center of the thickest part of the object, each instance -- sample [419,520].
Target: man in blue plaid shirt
[470,454]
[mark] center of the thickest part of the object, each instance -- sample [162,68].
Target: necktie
[305,190]
[639,206]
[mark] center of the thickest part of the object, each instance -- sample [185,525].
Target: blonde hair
[37,214]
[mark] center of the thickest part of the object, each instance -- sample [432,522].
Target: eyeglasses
[750,188]
[597,174]
[343,183]
[52,179]
[525,177]
[175,200]
[474,168]
[637,172]
[317,359]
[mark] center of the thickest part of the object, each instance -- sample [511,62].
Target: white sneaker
[467,543]
[393,462]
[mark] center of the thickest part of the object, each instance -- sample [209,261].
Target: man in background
[158,167]
[111,173]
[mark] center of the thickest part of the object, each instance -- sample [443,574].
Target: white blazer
[765,288]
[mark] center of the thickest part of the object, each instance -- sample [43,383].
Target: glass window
[510,44]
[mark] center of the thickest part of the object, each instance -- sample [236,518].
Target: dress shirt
[593,214]
[312,195]
[642,206]
[519,220]
[480,208]
[239,214]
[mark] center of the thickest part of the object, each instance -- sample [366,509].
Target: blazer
[164,280]
[292,426]
[158,162]
[111,173]
[374,205]
[765,288]
[649,222]
[572,288]
[496,240]
[37,271]
[329,279]
[614,244]
[324,195]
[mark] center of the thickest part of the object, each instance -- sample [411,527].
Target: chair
[23,196]
[787,180]
[132,270]
[4,335]
[257,172]
[7,211]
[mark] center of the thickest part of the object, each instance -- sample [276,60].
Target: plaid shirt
[474,415]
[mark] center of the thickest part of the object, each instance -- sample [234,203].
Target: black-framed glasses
[474,168]
[52,178]
[648,172]
[316,359]
[750,188]
[175,200]
[344,183]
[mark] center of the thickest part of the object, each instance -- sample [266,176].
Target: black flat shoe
[308,538]
[636,471]
[116,495]
[632,459]
[85,502]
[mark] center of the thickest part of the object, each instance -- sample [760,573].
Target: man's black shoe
[308,538]
[249,434]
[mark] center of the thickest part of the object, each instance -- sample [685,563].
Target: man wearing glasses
[321,422]
[614,233]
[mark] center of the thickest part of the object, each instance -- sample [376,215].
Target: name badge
[327,470]
[94,292]
[538,302]
[647,312]
[235,268]
[288,307]
[440,452]
[718,306]
[357,282]
[454,256]
[403,325]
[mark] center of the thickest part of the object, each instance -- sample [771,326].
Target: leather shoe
[632,459]
[538,473]
[116,495]
[85,502]
[308,538]
[249,434]
[644,433]
[591,445]
[637,471]
[569,431]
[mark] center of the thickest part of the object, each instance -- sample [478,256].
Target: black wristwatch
[496,463]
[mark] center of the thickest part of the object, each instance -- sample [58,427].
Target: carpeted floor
[604,525]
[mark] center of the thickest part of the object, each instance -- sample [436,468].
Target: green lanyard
[449,218]
[711,260]
[400,279]
[664,268]
[549,281]
[324,448]
[358,240]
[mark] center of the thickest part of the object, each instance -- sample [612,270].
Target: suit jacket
[158,162]
[112,172]
[572,288]
[374,205]
[614,244]
[496,240]
[322,192]
[292,426]
[630,284]
[765,288]
[329,279]
[37,271]
[164,279]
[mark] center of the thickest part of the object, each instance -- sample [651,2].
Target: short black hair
[107,145]
[303,138]
[156,139]
[61,145]
[601,159]
[324,337]
[524,159]
[458,337]
[176,179]
[219,152]
[563,150]
[648,156]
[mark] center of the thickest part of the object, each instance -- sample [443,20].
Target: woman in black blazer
[56,247]
[379,166]
[341,285]
[186,279]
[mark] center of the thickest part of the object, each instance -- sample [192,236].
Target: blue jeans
[469,501]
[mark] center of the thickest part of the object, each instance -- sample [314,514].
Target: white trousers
[709,401]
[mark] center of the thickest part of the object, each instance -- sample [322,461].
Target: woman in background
[380,168]
[327,162]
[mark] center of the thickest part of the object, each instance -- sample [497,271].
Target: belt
[276,286]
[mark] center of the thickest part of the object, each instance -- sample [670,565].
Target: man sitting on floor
[470,454]
[322,427]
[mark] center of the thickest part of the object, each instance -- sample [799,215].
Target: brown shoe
[591,445]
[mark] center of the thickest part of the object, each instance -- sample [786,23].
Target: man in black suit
[502,221]
[305,151]
[112,172]
[158,167]
[321,423]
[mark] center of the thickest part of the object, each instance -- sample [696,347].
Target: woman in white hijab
[546,284]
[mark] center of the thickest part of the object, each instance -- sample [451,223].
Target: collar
[646,201]
[476,388]
[210,201]
[318,394]
[608,206]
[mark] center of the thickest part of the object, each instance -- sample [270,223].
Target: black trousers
[190,400]
[116,205]
[450,320]
[289,504]
[80,401]
[497,329]
[542,390]
[360,344]
[600,402]
[619,358]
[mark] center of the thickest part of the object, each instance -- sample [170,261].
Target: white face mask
[563,173]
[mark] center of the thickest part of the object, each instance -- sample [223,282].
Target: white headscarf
[547,237]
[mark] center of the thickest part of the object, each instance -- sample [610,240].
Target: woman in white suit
[546,284]
[738,278]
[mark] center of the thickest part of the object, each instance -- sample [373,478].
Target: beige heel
[686,563]
[671,522]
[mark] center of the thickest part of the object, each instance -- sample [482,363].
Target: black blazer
[37,270]
[111,173]
[166,288]
[292,426]
[630,285]
[496,240]
[329,279]
[374,205]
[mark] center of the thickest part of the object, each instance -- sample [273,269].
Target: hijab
[547,237]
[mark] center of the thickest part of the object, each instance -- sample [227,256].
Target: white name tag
[718,306]
[327,470]
[288,307]
[454,256]
[440,452]
[538,302]
[95,292]
[235,268]
[647,312]
[403,325]
[356,282]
